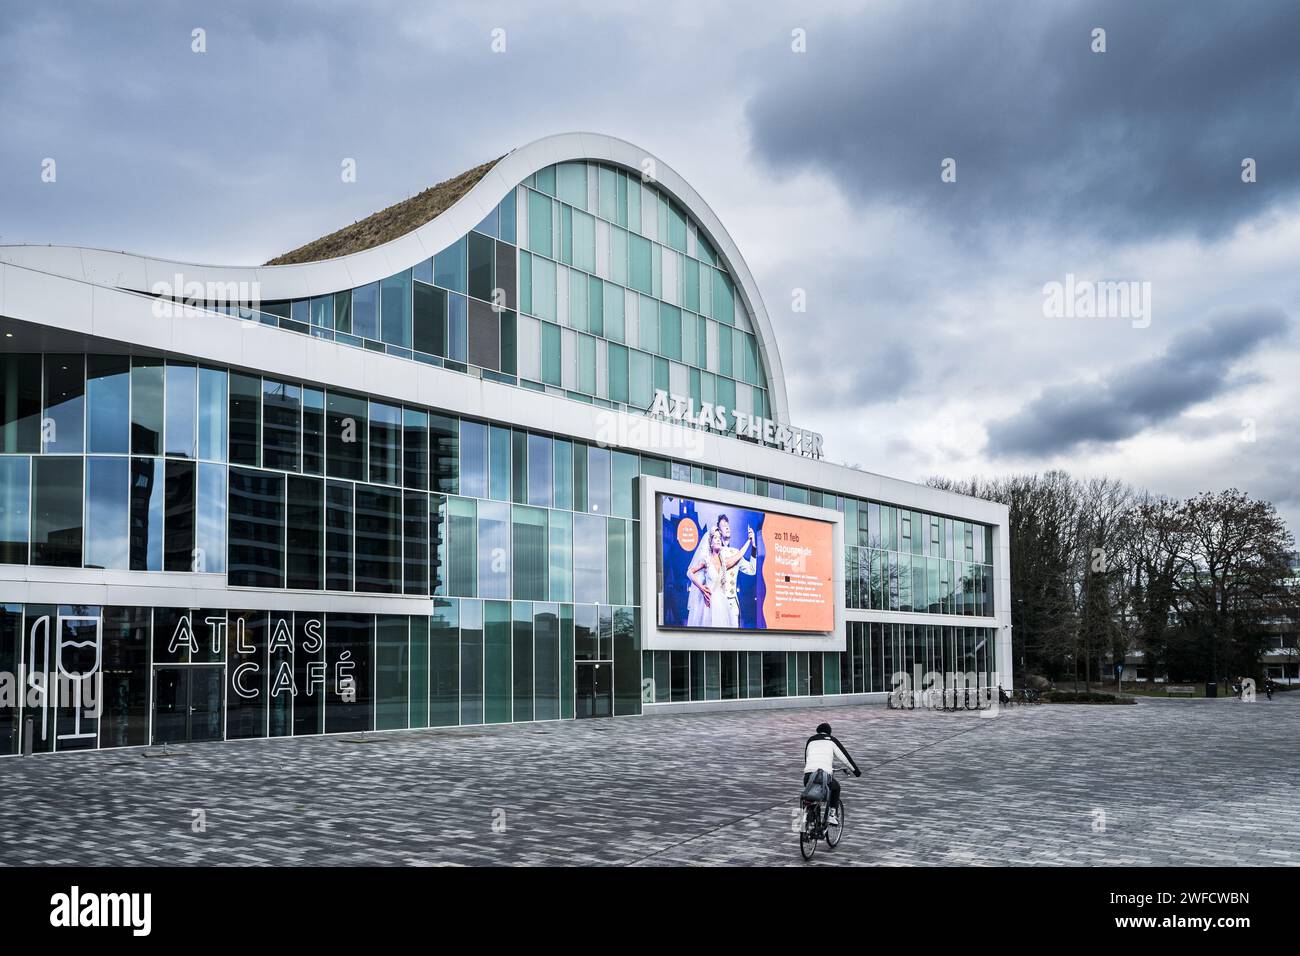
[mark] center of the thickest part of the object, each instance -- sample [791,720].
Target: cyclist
[820,753]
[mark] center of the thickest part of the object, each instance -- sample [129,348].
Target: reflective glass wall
[584,282]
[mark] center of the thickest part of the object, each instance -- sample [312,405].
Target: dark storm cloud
[1195,367]
[1142,140]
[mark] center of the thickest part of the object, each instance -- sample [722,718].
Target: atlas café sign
[681,410]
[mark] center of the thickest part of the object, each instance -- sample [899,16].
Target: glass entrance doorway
[187,704]
[593,690]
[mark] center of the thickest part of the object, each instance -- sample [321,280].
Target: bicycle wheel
[809,834]
[835,831]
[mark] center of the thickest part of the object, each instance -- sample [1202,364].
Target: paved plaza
[1188,782]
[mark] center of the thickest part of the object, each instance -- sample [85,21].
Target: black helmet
[824,729]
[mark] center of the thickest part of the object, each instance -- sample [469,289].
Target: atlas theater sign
[681,410]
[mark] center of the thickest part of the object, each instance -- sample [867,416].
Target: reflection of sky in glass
[212,414]
[210,530]
[598,467]
[539,470]
[15,484]
[589,558]
[107,481]
[109,411]
[146,514]
[493,550]
[182,383]
[64,402]
[473,460]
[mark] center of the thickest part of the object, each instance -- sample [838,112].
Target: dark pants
[834,787]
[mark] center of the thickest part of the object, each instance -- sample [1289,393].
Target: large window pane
[245,419]
[396,324]
[246,666]
[499,463]
[481,251]
[146,406]
[415,547]
[430,320]
[419,671]
[210,530]
[126,669]
[20,403]
[15,496]
[147,488]
[256,529]
[439,529]
[493,549]
[345,436]
[108,386]
[531,557]
[313,431]
[497,690]
[282,411]
[598,480]
[546,662]
[365,311]
[562,483]
[540,470]
[462,547]
[181,433]
[473,459]
[108,484]
[385,443]
[179,503]
[589,558]
[56,511]
[212,414]
[378,539]
[523,660]
[444,454]
[306,532]
[338,536]
[349,639]
[561,556]
[616,531]
[449,267]
[471,662]
[415,448]
[627,662]
[392,672]
[65,404]
[309,648]
[444,664]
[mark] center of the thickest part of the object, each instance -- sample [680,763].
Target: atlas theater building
[464,462]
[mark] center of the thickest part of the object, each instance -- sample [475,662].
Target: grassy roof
[388,224]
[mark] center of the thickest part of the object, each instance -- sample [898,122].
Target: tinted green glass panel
[497,652]
[392,672]
[539,225]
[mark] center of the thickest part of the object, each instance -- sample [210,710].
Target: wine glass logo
[78,658]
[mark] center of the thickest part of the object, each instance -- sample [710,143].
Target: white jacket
[820,753]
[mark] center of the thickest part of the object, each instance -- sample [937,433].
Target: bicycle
[814,828]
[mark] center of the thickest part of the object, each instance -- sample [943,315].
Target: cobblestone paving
[1187,782]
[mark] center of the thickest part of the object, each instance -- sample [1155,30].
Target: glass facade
[519,547]
[584,282]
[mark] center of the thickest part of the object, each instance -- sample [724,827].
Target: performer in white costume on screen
[710,568]
[746,565]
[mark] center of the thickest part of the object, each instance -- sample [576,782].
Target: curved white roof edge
[301,280]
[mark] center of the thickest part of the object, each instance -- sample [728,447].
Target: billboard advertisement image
[724,567]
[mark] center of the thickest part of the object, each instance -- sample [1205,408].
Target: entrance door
[187,704]
[594,690]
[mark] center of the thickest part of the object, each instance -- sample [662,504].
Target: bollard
[29,727]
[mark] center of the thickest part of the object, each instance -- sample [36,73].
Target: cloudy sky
[925,348]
